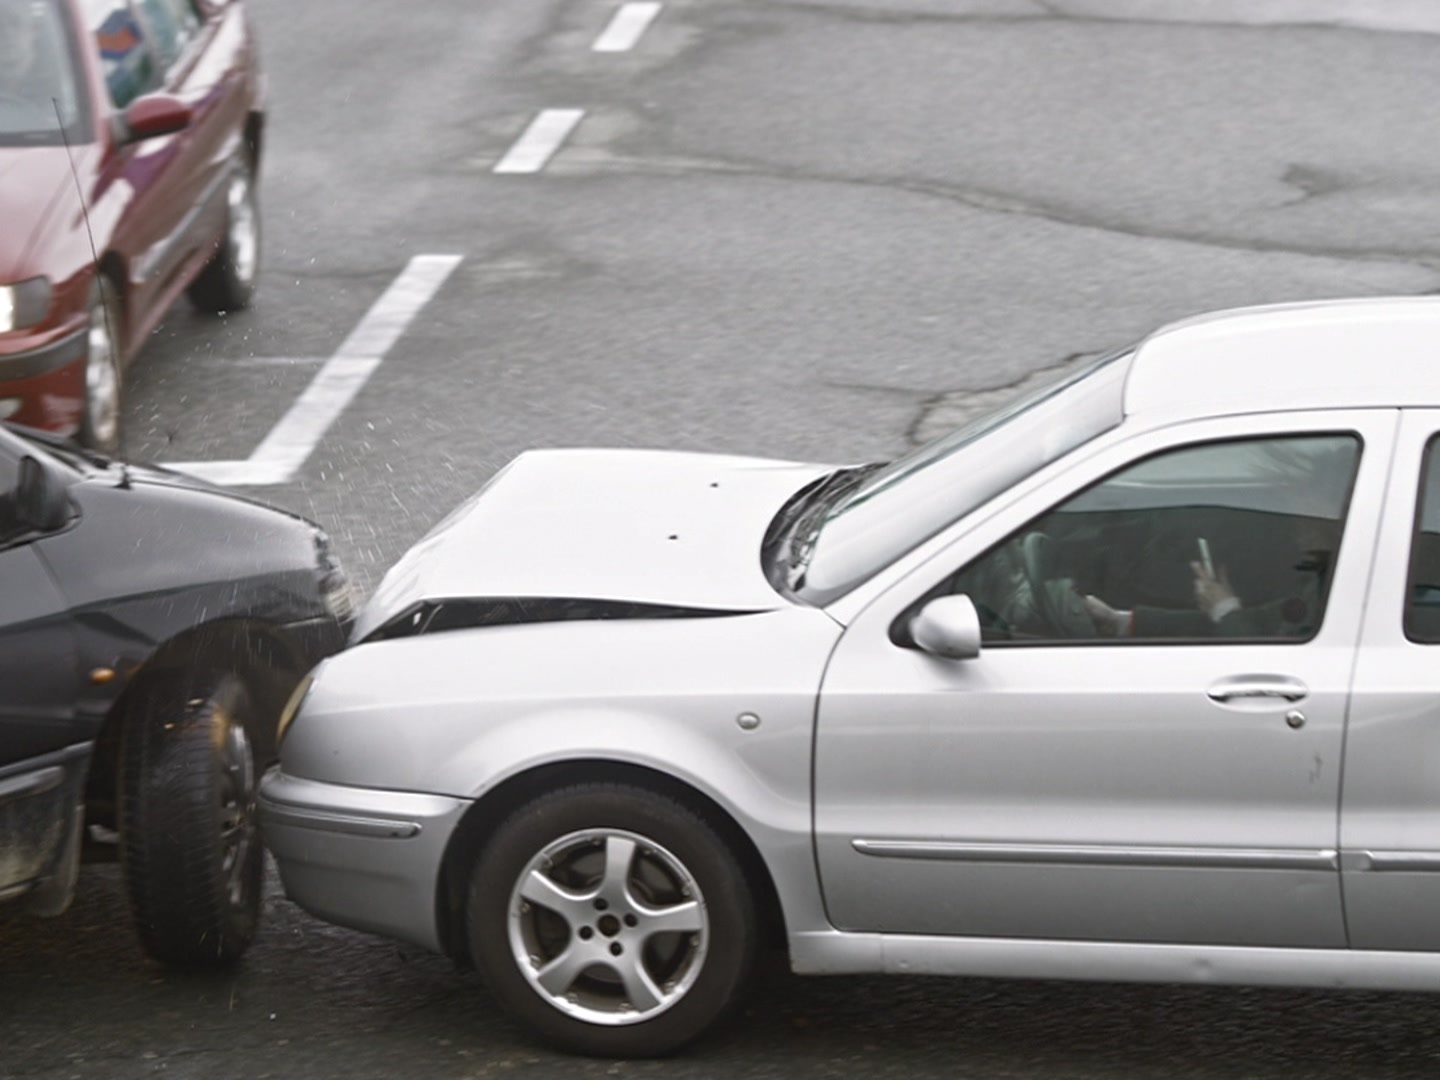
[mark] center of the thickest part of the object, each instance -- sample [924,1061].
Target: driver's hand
[1213,595]
[1108,621]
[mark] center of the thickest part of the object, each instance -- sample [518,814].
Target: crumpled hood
[644,526]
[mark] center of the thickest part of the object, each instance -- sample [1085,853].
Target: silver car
[1137,678]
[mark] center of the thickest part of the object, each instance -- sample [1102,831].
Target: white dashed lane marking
[285,450]
[627,27]
[290,442]
[541,139]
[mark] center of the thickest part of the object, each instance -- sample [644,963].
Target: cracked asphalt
[790,228]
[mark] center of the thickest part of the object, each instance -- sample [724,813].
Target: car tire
[102,420]
[227,283]
[598,973]
[189,841]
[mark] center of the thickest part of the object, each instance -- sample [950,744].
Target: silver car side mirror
[949,627]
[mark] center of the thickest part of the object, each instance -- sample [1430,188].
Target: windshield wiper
[65,445]
[809,514]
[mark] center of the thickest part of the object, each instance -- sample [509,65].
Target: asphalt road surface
[790,228]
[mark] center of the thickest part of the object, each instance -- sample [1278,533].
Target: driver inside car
[1228,539]
[1219,612]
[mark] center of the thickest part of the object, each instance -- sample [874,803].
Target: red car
[130,139]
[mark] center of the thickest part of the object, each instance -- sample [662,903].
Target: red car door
[173,186]
[205,62]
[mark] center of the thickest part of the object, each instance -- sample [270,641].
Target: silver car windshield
[907,502]
[38,95]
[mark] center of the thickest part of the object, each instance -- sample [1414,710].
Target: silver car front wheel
[608,926]
[612,919]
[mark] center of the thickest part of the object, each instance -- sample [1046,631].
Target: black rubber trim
[36,783]
[473,613]
[55,757]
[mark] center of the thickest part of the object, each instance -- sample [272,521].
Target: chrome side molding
[1105,855]
[1392,861]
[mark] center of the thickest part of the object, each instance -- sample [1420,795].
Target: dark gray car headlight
[335,588]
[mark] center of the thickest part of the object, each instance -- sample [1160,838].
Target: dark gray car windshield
[39,94]
[899,507]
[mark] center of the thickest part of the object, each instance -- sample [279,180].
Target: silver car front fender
[724,705]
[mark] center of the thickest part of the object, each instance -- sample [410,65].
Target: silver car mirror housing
[948,627]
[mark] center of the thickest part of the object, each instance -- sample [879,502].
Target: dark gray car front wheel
[611,920]
[189,842]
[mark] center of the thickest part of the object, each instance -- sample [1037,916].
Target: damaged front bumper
[360,857]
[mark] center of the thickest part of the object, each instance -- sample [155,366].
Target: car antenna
[95,265]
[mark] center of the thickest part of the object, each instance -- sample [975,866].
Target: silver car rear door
[1390,807]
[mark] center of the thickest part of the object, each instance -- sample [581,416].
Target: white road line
[285,450]
[541,139]
[301,429]
[233,473]
[627,27]
[387,318]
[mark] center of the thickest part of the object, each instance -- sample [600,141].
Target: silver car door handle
[1258,689]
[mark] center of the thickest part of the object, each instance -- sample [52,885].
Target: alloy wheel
[608,926]
[237,811]
[244,234]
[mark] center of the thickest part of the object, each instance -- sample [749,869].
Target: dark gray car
[151,630]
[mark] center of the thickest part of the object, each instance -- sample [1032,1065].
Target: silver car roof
[1326,354]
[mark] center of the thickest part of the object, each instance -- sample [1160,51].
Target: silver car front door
[1180,785]
[1390,805]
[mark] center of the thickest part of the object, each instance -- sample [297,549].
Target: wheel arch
[255,139]
[491,809]
[249,647]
